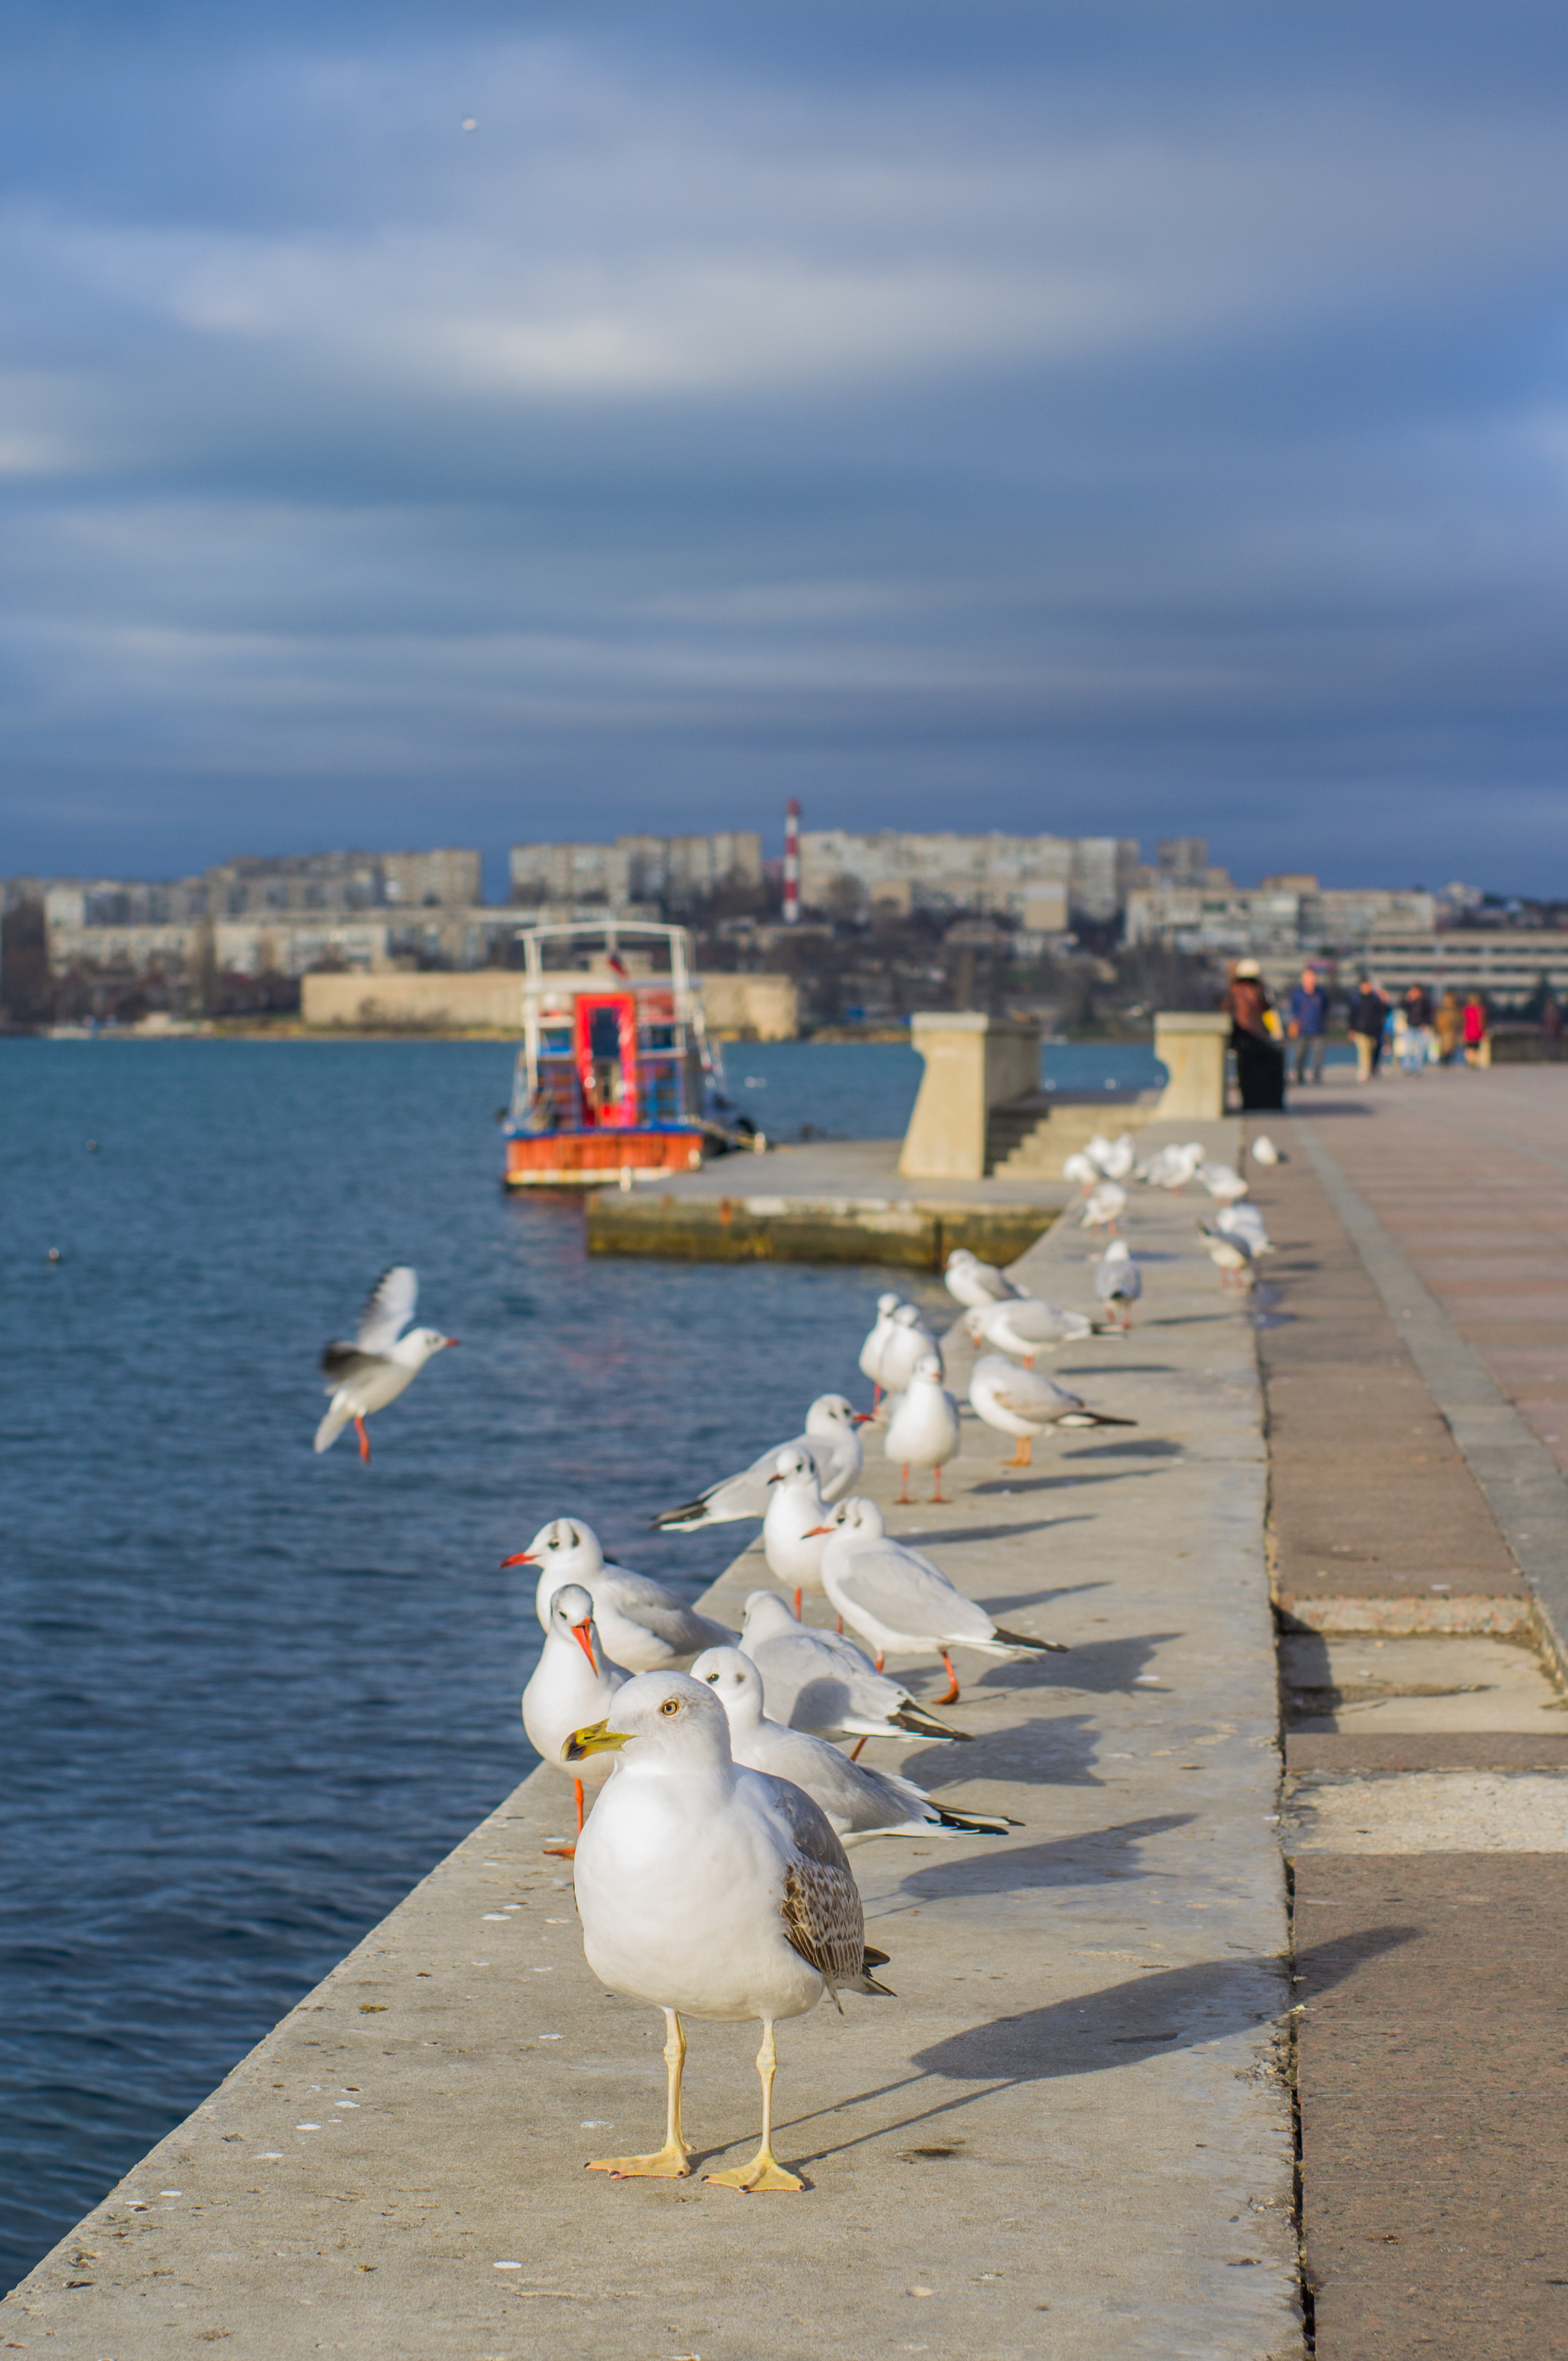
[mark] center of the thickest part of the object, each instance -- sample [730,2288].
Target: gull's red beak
[865,1418]
[450,1342]
[583,1633]
[523,1557]
[812,1531]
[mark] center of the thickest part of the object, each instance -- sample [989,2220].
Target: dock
[834,1200]
[1243,2044]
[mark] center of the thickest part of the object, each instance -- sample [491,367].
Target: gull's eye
[671,1705]
[712,1680]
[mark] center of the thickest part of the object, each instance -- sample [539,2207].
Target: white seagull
[861,1803]
[1082,1168]
[1114,1157]
[832,1444]
[643,1626]
[899,1601]
[1233,1256]
[923,1427]
[1244,1221]
[909,1340]
[1223,1182]
[381,1362]
[573,1683]
[1172,1168]
[1025,1403]
[709,1890]
[1118,1281]
[976,1284]
[1265,1152]
[871,1350]
[820,1681]
[791,1529]
[1027,1328]
[1104,1206]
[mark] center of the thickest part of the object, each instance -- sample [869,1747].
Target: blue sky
[1111,418]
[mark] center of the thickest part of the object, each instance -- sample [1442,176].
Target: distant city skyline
[1099,418]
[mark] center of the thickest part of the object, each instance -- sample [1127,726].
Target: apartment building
[1042,882]
[678,873]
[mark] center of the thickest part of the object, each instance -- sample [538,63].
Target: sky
[1112,419]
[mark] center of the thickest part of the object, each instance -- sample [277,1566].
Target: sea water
[252,1695]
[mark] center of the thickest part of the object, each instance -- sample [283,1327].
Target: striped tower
[791,863]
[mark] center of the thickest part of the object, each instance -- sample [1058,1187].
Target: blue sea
[251,1695]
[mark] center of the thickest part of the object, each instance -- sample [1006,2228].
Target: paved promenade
[1069,2134]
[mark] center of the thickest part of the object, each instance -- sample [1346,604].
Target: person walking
[1254,1038]
[1551,1030]
[1368,1015]
[1308,1024]
[1448,1027]
[1477,1032]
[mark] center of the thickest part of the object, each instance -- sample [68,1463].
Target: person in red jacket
[1477,1033]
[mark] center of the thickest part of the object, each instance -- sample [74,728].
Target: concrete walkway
[1069,2135]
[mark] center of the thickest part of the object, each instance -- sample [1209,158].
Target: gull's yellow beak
[596,1738]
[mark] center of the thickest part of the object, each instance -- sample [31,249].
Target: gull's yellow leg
[670,2164]
[764,2171]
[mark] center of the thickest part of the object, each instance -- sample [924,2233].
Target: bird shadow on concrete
[1118,1369]
[998,1603]
[1151,1447]
[1092,2033]
[1024,1482]
[937,1538]
[1093,1857]
[1061,1752]
[1096,1667]
[1192,1319]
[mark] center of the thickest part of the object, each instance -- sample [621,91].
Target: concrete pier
[1070,2134]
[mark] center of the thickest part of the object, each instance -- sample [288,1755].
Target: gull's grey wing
[648,1602]
[389,1308]
[735,1496]
[340,1362]
[905,1593]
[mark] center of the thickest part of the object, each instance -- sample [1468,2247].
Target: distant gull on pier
[381,1362]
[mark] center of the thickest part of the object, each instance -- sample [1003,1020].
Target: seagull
[859,1803]
[1265,1152]
[1118,1281]
[1083,1170]
[1114,1157]
[1244,1221]
[923,1427]
[1025,1402]
[1223,1182]
[1105,1205]
[898,1600]
[381,1362]
[571,1683]
[909,1340]
[795,1510]
[1172,1168]
[975,1284]
[644,1627]
[877,1337]
[832,1444]
[711,1890]
[821,1682]
[1233,1255]
[1026,1328]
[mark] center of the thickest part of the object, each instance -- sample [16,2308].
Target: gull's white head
[927,1371]
[857,1520]
[907,1316]
[660,1722]
[792,1467]
[420,1345]
[831,1415]
[565,1548]
[767,1617]
[572,1618]
[735,1683]
[1117,1251]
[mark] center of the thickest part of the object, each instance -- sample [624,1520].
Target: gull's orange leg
[937,1496]
[903,1499]
[362,1430]
[953,1695]
[568,1852]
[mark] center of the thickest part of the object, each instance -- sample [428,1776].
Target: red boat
[616,1075]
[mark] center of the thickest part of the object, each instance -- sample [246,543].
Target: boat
[616,1076]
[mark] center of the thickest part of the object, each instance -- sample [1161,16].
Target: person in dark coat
[1260,1054]
[1368,1014]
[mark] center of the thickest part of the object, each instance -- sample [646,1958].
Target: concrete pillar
[1192,1050]
[972,1062]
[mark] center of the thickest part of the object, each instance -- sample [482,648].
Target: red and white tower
[791,863]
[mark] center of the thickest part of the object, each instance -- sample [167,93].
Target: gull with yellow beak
[707,1890]
[573,1682]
